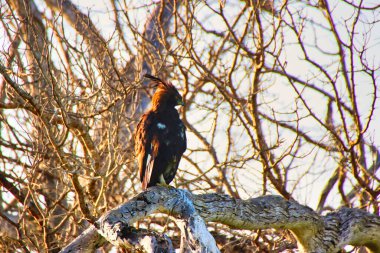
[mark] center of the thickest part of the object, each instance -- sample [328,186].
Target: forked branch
[314,233]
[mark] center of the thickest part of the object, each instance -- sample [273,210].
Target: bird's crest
[159,82]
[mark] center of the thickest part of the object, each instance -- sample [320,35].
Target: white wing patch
[182,133]
[160,125]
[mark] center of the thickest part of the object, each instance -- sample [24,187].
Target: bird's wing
[143,138]
[183,139]
[177,150]
[146,147]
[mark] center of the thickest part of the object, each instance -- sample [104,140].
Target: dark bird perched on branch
[160,137]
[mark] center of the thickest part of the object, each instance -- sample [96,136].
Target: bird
[160,136]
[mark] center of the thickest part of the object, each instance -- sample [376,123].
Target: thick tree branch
[87,242]
[175,202]
[314,233]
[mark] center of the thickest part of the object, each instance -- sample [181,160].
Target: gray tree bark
[314,233]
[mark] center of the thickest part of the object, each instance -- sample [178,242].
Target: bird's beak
[180,102]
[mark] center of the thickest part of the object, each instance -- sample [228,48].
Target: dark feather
[153,78]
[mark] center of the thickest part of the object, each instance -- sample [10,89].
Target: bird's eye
[179,100]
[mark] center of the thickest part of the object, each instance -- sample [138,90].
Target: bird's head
[166,94]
